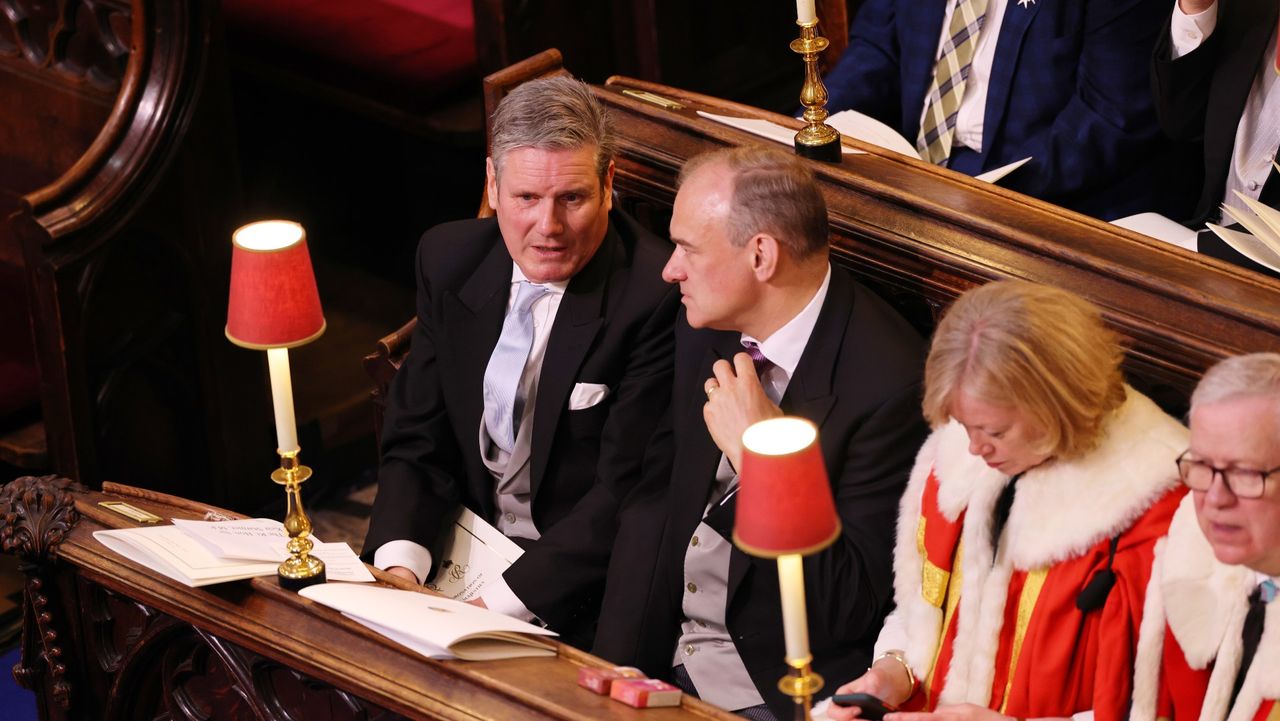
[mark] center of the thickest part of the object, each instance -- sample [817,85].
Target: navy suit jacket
[614,327]
[1069,88]
[858,380]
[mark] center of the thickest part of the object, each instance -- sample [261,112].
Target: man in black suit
[1215,83]
[540,364]
[751,260]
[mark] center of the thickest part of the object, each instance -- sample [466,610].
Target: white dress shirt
[417,558]
[1258,133]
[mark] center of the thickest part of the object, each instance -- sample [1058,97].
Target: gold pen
[649,97]
[133,513]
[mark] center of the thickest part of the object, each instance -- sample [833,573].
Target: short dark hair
[773,192]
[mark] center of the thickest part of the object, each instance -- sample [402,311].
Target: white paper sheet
[763,128]
[475,554]
[869,130]
[1154,225]
[1248,246]
[171,552]
[437,627]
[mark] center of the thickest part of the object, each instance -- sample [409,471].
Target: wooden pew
[921,235]
[103,638]
[125,192]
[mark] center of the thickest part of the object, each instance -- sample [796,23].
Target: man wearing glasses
[1210,641]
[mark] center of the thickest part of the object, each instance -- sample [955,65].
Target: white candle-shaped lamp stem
[795,625]
[282,399]
[805,12]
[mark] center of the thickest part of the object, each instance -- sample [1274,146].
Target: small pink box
[600,680]
[645,693]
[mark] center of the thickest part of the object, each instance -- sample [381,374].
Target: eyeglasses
[1242,482]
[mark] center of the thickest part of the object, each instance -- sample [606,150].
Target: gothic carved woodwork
[130,193]
[38,514]
[136,645]
[85,41]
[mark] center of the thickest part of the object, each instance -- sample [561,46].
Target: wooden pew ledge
[321,644]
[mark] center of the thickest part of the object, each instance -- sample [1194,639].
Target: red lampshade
[784,499]
[274,302]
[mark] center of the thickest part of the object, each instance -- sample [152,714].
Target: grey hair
[1254,374]
[773,192]
[554,113]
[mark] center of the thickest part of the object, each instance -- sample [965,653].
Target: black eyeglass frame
[1216,471]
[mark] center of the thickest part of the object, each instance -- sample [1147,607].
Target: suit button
[1253,185]
[693,587]
[509,517]
[689,649]
[694,542]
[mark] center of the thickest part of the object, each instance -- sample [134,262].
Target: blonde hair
[1253,374]
[1035,347]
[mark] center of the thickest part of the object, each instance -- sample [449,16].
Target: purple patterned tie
[761,363]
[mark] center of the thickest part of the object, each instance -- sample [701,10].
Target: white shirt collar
[518,276]
[786,345]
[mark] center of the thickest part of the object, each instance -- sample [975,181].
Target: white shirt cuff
[412,556]
[498,596]
[1188,32]
[893,635]
[1083,716]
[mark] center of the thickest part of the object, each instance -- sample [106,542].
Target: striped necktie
[758,359]
[942,103]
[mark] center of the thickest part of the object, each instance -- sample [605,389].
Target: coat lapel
[923,22]
[1013,30]
[577,322]
[809,394]
[696,460]
[1251,26]
[472,322]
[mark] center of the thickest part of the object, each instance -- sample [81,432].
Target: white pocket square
[585,395]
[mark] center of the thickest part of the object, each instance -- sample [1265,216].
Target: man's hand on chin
[735,400]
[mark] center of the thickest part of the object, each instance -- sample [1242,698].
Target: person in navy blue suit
[1066,83]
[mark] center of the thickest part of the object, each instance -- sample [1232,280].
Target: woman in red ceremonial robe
[1026,533]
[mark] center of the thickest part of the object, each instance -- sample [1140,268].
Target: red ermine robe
[1004,632]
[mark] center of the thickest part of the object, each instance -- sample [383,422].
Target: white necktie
[503,404]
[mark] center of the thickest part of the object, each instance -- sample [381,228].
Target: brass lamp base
[817,140]
[301,569]
[801,685]
[827,151]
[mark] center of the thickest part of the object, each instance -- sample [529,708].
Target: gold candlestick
[801,685]
[301,569]
[817,140]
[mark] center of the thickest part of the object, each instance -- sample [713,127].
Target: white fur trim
[1202,597]
[922,620]
[1060,511]
[1146,671]
[1063,509]
[1205,603]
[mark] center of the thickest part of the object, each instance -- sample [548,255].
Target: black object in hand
[872,708]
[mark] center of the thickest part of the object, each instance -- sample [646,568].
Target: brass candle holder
[817,140]
[301,569]
[801,684]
